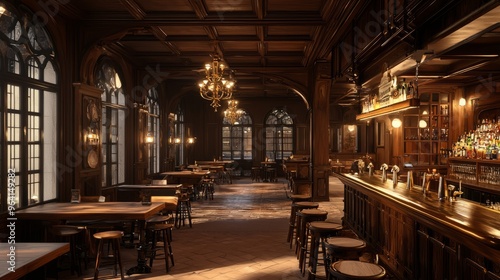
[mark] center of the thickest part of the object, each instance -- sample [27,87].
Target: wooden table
[133,192]
[28,257]
[184,177]
[111,211]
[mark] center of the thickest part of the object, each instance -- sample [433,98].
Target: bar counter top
[464,217]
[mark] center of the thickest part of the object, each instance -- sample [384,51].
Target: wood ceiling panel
[166,6]
[287,5]
[239,46]
[100,6]
[290,30]
[286,46]
[236,30]
[228,6]
[198,46]
[173,30]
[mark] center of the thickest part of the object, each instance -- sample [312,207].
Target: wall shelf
[393,108]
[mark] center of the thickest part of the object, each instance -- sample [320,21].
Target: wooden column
[319,127]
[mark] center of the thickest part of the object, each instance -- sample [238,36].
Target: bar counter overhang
[417,236]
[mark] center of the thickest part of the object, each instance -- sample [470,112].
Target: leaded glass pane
[14,157]
[13,97]
[33,129]
[13,127]
[34,101]
[13,64]
[33,157]
[33,68]
[49,74]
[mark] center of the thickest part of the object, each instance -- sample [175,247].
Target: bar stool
[305,217]
[165,231]
[318,232]
[297,206]
[114,237]
[208,188]
[350,270]
[299,197]
[183,212]
[77,248]
[342,248]
[256,174]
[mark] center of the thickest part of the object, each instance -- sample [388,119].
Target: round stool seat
[312,212]
[322,226]
[305,204]
[162,226]
[344,247]
[112,234]
[159,219]
[300,197]
[349,269]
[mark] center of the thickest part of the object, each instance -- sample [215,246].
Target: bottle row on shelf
[481,143]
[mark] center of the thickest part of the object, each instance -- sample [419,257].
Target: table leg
[142,266]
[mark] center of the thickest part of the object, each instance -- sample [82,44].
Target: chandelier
[232,114]
[218,83]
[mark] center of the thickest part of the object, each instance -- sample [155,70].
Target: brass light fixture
[218,83]
[150,139]
[232,113]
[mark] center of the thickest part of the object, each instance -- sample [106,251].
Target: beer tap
[370,169]
[395,170]
[384,168]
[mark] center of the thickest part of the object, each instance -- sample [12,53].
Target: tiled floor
[241,234]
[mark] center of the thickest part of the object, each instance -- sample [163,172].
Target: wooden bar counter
[419,237]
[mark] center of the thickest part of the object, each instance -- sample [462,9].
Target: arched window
[237,138]
[113,123]
[153,130]
[279,134]
[28,106]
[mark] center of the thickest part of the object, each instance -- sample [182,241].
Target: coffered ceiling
[272,45]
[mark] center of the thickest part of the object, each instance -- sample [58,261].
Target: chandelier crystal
[218,83]
[232,113]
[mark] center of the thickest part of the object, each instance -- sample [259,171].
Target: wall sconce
[396,123]
[150,139]
[191,140]
[177,140]
[351,127]
[92,137]
[462,102]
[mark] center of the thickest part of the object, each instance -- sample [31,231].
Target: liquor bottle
[494,152]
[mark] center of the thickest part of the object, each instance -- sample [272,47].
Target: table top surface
[186,173]
[28,257]
[168,186]
[90,210]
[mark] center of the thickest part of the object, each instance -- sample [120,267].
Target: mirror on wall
[349,138]
[344,138]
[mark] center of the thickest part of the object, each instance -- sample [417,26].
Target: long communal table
[110,211]
[19,259]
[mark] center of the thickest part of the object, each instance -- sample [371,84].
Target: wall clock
[92,158]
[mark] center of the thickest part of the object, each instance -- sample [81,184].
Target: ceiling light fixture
[218,83]
[232,114]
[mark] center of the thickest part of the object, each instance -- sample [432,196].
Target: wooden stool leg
[169,239]
[118,257]
[165,249]
[98,259]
